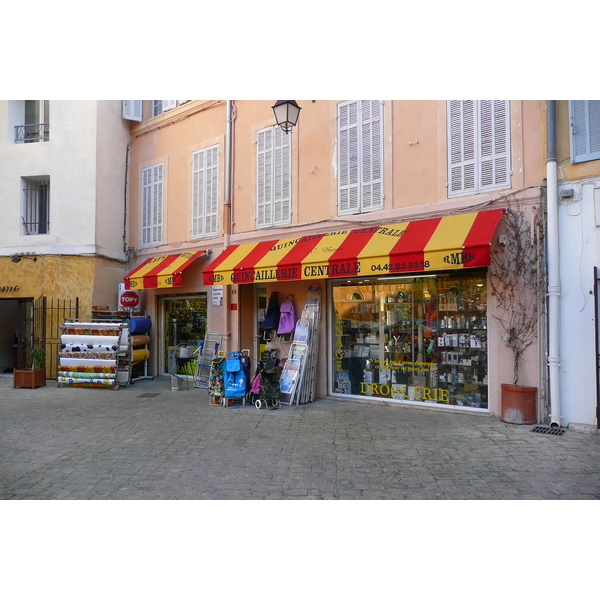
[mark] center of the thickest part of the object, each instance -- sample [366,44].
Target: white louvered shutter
[212,191]
[132,110]
[264,177]
[157,199]
[205,191]
[585,130]
[168,104]
[348,169]
[372,155]
[281,178]
[494,119]
[152,204]
[461,146]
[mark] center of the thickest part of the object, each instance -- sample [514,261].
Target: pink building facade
[392,208]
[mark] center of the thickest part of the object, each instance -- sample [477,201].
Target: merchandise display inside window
[184,324]
[412,339]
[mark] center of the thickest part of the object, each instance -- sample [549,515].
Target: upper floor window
[273,177]
[152,205]
[33,121]
[360,156]
[585,130]
[35,206]
[478,146]
[161,106]
[205,191]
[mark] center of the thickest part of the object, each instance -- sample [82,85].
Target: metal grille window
[478,146]
[152,205]
[35,216]
[360,156]
[585,130]
[273,177]
[205,191]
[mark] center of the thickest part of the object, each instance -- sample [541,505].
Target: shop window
[360,156]
[478,146]
[205,191]
[273,177]
[152,205]
[184,323]
[413,339]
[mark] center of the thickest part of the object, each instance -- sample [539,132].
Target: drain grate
[548,430]
[148,395]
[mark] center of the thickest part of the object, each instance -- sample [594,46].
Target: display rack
[94,354]
[207,351]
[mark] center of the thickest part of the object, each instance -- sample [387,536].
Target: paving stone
[62,443]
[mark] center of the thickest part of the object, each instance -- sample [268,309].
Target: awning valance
[444,243]
[161,271]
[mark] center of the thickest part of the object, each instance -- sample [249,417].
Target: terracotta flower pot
[518,404]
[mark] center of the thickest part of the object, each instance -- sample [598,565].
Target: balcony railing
[25,134]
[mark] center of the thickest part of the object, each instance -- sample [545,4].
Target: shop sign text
[418,393]
[9,288]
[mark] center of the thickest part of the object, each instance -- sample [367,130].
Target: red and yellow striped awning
[444,243]
[160,271]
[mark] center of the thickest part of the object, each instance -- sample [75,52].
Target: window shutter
[461,146]
[158,203]
[132,110]
[168,104]
[348,175]
[585,130]
[197,187]
[372,155]
[281,178]
[152,204]
[264,174]
[494,143]
[205,191]
[212,191]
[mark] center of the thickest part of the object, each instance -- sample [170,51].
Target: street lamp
[286,114]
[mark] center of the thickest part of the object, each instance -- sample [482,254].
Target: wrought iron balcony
[25,134]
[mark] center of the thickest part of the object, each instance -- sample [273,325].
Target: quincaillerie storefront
[407,304]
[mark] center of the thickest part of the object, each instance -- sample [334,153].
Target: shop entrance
[16,332]
[183,323]
[25,323]
[260,309]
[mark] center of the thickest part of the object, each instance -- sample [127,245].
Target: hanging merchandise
[269,381]
[271,321]
[234,377]
[287,318]
[299,373]
[215,381]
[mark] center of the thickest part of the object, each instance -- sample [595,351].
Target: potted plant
[35,375]
[516,282]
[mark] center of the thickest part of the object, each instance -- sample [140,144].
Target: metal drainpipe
[227,221]
[553,270]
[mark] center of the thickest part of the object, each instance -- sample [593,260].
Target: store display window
[184,322]
[420,338]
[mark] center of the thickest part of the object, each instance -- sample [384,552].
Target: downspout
[227,220]
[553,270]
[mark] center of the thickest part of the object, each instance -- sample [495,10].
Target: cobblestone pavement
[149,442]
